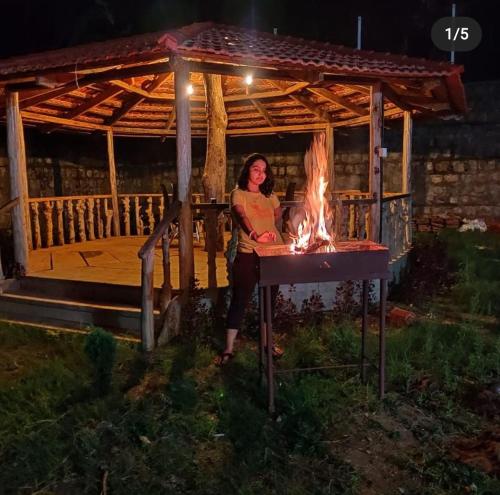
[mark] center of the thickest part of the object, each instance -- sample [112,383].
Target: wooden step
[80,291]
[71,314]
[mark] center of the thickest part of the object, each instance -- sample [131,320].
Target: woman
[256,209]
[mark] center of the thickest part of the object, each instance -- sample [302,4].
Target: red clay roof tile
[221,43]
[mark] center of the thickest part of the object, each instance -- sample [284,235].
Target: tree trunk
[214,174]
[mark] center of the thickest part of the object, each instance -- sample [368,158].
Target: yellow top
[260,212]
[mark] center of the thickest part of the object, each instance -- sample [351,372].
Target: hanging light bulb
[248,79]
[189,89]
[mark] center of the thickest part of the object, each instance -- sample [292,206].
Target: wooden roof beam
[85,107]
[366,119]
[265,114]
[325,93]
[305,102]
[395,98]
[89,126]
[312,107]
[171,119]
[356,87]
[281,91]
[135,99]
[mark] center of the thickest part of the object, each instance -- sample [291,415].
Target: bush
[100,348]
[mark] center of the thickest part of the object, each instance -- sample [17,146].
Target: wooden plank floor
[115,261]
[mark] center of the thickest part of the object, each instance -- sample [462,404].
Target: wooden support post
[18,181]
[330,147]
[214,173]
[183,141]
[375,183]
[406,166]
[406,177]
[112,182]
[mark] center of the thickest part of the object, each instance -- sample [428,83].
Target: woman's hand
[265,237]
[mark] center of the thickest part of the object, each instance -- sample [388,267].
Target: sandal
[223,359]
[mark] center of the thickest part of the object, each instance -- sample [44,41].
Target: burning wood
[316,228]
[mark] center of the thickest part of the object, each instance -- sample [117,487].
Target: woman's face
[257,173]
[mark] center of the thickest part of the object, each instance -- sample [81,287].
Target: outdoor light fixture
[190,89]
[248,79]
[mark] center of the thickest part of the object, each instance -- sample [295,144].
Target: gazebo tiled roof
[125,83]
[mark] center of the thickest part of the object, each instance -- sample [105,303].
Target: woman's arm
[244,222]
[242,219]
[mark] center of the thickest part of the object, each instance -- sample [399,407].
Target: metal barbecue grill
[356,260]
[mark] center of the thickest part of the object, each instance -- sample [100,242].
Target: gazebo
[214,81]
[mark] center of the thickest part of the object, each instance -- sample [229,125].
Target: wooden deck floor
[114,260]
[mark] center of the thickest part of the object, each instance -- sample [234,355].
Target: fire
[315,229]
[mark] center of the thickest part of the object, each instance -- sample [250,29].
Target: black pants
[245,277]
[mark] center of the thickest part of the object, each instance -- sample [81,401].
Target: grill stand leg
[364,325]
[270,370]
[262,335]
[381,365]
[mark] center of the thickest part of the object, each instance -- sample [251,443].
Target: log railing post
[71,221]
[126,214]
[49,228]
[146,253]
[35,228]
[60,222]
[147,314]
[90,218]
[18,181]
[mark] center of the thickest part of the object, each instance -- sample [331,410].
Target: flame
[316,227]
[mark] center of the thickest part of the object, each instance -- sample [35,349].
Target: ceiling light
[248,79]
[190,89]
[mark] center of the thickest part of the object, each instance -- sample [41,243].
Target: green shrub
[100,348]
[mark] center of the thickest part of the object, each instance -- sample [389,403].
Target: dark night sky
[389,25]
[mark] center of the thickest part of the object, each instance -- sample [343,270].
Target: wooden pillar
[18,181]
[406,166]
[112,182]
[375,182]
[183,141]
[330,147]
[214,173]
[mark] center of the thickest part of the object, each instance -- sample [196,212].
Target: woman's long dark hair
[266,188]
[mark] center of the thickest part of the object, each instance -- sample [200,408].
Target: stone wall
[455,167]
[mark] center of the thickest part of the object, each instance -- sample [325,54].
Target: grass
[179,425]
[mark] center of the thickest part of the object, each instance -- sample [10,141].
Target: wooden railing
[70,219]
[396,224]
[146,254]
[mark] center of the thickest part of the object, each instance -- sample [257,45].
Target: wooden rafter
[48,95]
[104,95]
[356,87]
[171,119]
[339,100]
[395,98]
[258,95]
[59,120]
[366,119]
[312,107]
[134,100]
[265,114]
[305,102]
